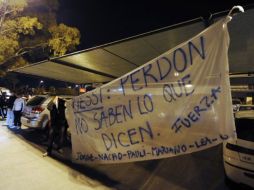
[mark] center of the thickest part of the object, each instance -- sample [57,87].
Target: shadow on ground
[201,170]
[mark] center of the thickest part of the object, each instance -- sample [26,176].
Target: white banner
[177,103]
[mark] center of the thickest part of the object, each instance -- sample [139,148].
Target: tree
[63,39]
[29,32]
[12,27]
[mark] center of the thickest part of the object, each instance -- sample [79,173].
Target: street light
[40,84]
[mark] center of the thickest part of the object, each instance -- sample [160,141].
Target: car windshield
[245,129]
[37,100]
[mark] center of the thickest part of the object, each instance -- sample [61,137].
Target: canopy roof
[104,63]
[110,61]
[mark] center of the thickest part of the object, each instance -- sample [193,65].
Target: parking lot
[23,167]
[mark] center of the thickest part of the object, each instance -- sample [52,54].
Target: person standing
[53,124]
[2,105]
[18,107]
[10,115]
[62,124]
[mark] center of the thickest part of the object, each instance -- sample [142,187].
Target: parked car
[245,111]
[238,154]
[36,113]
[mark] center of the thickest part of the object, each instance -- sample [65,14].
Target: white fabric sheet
[177,103]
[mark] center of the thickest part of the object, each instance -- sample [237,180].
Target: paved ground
[23,167]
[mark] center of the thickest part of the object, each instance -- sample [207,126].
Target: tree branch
[22,51]
[27,48]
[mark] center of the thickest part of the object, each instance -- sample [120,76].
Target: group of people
[12,108]
[15,105]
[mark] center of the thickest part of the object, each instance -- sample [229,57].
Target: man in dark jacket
[62,123]
[2,102]
[53,126]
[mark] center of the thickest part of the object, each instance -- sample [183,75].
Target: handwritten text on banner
[175,104]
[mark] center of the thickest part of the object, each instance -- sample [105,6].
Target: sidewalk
[22,167]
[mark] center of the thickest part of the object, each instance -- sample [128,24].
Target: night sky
[102,22]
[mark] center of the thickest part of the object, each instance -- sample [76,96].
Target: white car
[36,113]
[238,154]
